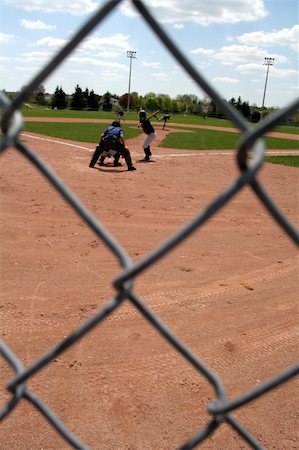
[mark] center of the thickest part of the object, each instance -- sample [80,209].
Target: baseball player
[112,139]
[149,130]
[165,118]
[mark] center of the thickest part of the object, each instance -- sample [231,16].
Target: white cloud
[246,69]
[36,25]
[202,51]
[286,37]
[202,12]
[108,46]
[50,42]
[101,75]
[5,38]
[242,55]
[88,62]
[161,76]
[233,54]
[152,65]
[76,8]
[178,26]
[26,69]
[225,80]
[33,57]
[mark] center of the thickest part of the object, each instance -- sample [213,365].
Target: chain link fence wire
[249,154]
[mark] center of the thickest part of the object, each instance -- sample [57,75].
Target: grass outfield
[191,139]
[174,118]
[82,132]
[292,161]
[201,139]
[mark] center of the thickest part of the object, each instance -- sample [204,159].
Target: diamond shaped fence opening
[250,159]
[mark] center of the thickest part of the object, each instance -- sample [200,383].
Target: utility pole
[268,62]
[131,55]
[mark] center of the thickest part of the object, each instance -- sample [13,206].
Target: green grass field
[190,138]
[175,118]
[201,139]
[292,161]
[83,132]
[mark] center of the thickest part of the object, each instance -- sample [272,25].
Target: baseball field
[228,293]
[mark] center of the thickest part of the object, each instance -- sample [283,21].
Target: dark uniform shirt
[147,127]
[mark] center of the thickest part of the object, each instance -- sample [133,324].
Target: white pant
[149,139]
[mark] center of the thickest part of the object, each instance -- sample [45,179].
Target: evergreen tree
[92,102]
[78,101]
[86,96]
[245,109]
[239,104]
[58,99]
[233,102]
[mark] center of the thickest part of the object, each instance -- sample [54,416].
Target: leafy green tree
[175,107]
[123,101]
[151,103]
[133,100]
[149,94]
[58,99]
[165,102]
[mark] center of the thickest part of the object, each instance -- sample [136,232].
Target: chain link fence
[250,159]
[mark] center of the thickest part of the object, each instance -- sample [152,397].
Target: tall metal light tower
[131,55]
[268,62]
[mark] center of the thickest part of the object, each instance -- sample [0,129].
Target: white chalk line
[168,155]
[54,141]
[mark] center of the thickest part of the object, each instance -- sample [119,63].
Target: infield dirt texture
[229,292]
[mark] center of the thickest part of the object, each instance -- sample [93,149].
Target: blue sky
[226,40]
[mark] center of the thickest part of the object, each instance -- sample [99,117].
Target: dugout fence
[250,158]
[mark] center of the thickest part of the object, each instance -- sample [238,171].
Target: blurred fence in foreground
[250,158]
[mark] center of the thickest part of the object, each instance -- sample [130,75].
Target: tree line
[183,104]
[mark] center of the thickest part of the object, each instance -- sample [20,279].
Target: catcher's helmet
[116,123]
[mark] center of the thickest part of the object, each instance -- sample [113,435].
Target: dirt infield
[230,293]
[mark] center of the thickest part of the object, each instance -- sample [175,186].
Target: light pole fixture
[268,62]
[131,55]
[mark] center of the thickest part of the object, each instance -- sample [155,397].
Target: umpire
[113,139]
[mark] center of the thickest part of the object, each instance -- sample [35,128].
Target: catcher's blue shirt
[113,133]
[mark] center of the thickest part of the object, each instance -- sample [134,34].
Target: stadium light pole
[268,62]
[131,55]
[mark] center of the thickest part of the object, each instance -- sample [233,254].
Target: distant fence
[250,159]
